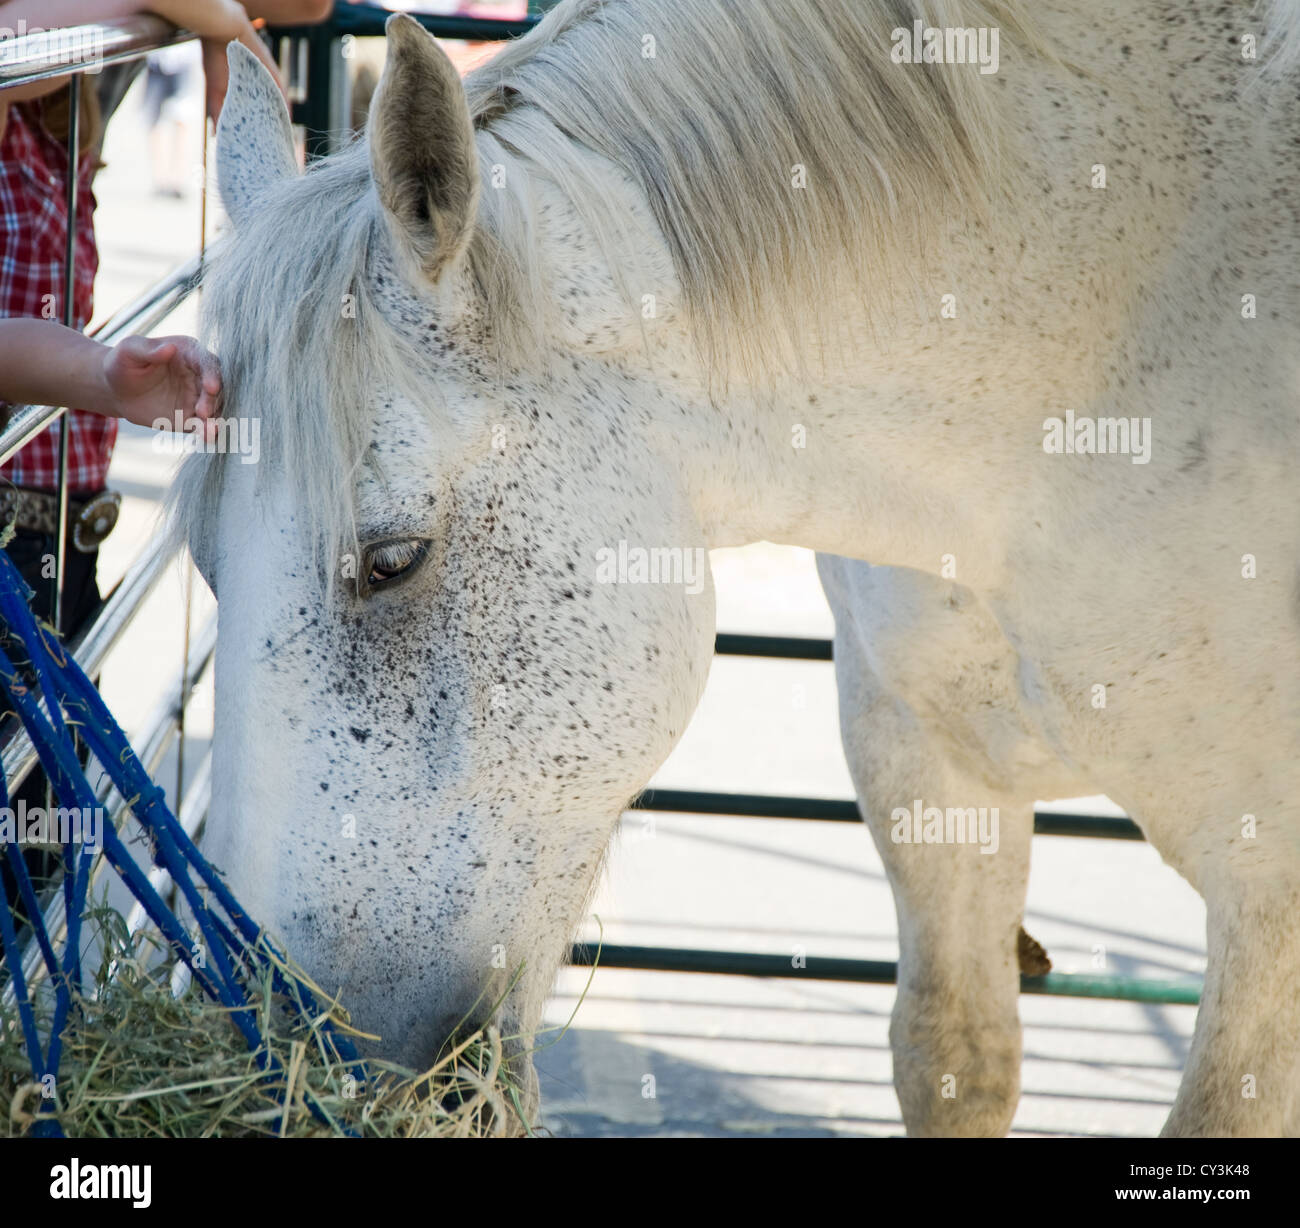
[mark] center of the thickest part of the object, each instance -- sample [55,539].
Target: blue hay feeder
[50,694]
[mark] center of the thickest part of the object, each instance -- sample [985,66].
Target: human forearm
[35,15]
[290,12]
[217,23]
[226,19]
[208,18]
[150,381]
[43,363]
[223,20]
[56,14]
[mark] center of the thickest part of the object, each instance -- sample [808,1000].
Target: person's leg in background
[33,554]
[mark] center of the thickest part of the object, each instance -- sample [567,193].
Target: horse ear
[422,154]
[254,139]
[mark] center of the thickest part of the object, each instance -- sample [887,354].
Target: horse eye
[392,561]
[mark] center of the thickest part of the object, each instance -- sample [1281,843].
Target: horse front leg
[1242,1078]
[955,1031]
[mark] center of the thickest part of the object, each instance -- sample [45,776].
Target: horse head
[438,679]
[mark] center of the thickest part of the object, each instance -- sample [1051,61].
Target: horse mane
[714,120]
[287,304]
[711,120]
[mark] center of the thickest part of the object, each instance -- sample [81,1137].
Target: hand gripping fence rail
[50,693]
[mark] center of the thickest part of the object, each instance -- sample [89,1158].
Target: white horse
[676,274]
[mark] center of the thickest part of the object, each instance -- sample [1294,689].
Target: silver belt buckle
[96,521]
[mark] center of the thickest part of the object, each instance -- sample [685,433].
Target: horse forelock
[304,347]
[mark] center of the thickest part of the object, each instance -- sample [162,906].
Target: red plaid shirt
[33,247]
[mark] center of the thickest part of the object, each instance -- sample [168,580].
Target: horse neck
[922,434]
[867,465]
[876,450]
[902,441]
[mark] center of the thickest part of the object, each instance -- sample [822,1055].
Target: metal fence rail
[35,57]
[837,810]
[53,53]
[869,971]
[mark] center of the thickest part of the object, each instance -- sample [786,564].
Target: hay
[141,1062]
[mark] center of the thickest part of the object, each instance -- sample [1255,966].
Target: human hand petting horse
[588,297]
[145,380]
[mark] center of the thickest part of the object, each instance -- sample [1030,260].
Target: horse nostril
[456,1029]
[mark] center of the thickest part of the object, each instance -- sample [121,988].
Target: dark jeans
[33,553]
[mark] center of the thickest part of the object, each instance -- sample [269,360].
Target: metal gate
[34,57]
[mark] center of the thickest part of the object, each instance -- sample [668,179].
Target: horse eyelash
[394,555]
